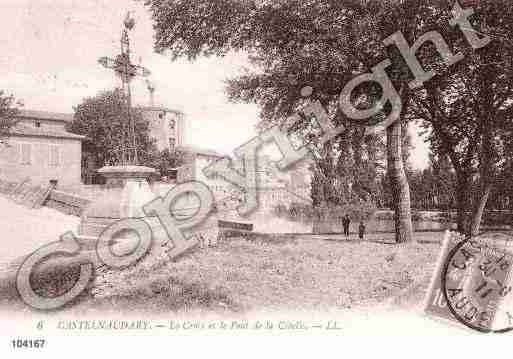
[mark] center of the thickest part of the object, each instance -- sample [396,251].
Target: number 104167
[28,343]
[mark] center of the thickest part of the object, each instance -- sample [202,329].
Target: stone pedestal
[125,192]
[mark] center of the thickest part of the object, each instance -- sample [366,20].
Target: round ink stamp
[477,283]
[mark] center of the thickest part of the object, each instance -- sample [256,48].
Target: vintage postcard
[254,168]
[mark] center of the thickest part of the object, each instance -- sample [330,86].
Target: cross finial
[129,21]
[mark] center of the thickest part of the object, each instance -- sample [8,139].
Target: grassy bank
[271,274]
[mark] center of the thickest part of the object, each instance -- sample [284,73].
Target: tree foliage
[434,188]
[468,108]
[292,44]
[165,160]
[103,119]
[8,110]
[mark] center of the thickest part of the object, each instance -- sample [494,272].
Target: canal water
[380,225]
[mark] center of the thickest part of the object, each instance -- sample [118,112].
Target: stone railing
[25,193]
[66,203]
[35,196]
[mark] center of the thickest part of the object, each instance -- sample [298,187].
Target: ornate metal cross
[127,71]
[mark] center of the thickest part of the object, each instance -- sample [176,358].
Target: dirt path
[23,230]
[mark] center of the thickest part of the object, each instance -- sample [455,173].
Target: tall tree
[347,171]
[102,118]
[434,187]
[290,44]
[8,110]
[469,106]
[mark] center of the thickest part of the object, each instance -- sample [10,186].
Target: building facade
[166,125]
[39,148]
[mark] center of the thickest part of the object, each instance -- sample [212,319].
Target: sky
[49,59]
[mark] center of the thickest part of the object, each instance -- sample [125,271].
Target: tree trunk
[477,215]
[486,173]
[462,194]
[399,184]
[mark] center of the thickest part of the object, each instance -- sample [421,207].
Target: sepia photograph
[255,167]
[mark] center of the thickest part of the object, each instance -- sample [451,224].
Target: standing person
[346,222]
[361,230]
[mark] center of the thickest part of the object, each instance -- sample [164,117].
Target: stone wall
[66,203]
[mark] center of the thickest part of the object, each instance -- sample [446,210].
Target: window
[26,153]
[172,124]
[37,123]
[54,156]
[171,144]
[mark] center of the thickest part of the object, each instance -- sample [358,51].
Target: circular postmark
[477,283]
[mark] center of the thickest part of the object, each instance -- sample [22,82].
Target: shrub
[280,210]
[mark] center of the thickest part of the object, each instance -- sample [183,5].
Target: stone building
[167,126]
[40,148]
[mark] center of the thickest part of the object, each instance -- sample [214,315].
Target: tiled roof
[45,115]
[25,130]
